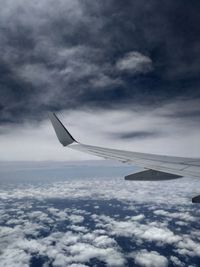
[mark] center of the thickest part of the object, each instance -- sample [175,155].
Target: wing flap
[196,199]
[151,175]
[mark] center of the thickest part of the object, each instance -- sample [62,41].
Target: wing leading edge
[175,167]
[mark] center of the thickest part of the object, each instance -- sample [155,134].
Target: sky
[119,74]
[122,75]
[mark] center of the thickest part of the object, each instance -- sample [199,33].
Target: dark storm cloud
[137,135]
[68,54]
[194,114]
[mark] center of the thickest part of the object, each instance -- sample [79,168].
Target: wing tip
[62,133]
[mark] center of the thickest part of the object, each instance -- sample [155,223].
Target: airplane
[158,167]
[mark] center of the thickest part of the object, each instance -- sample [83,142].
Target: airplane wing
[158,167]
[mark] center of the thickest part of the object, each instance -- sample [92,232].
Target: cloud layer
[116,223]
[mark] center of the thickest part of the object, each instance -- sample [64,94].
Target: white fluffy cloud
[154,232]
[146,258]
[62,248]
[107,188]
[77,245]
[135,62]
[185,216]
[24,221]
[176,261]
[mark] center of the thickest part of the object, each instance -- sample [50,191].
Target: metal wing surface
[173,165]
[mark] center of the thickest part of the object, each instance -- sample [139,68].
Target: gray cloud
[137,135]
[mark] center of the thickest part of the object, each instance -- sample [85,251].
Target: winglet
[63,135]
